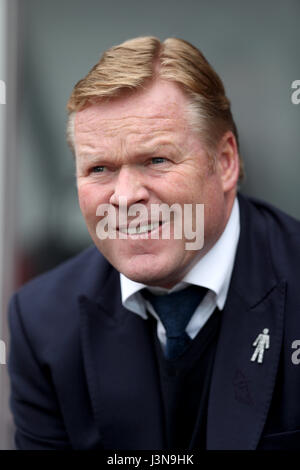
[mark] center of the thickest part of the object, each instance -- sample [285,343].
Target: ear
[228,161]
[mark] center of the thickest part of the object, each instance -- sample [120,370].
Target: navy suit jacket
[82,370]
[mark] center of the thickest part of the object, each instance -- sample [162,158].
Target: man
[141,342]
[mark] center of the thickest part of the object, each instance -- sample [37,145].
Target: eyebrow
[143,150]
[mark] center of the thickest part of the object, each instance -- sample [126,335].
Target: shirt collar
[213,271]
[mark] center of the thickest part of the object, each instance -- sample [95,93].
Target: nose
[129,185]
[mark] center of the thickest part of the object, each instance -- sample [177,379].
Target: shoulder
[283,224]
[72,277]
[48,304]
[273,216]
[280,231]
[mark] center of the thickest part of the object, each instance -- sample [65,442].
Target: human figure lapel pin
[262,342]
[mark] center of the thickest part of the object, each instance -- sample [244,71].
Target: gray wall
[8,187]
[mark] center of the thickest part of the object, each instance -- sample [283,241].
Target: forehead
[160,109]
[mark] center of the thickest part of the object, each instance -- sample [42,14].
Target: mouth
[141,229]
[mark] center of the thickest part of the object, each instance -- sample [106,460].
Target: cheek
[88,200]
[176,187]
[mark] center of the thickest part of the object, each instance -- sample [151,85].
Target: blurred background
[47,46]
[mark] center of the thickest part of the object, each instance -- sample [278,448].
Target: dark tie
[175,311]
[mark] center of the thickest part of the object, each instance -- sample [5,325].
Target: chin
[143,276]
[143,271]
[155,275]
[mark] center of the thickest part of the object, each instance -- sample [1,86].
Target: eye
[157,160]
[97,169]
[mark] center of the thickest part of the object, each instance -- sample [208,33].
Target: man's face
[141,147]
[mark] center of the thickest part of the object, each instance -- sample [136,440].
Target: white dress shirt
[213,271]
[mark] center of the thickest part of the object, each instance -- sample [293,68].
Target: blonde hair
[134,63]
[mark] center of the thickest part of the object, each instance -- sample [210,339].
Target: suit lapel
[241,390]
[121,373]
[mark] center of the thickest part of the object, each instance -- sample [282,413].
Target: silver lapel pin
[262,342]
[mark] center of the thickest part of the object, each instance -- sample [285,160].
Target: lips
[139,229]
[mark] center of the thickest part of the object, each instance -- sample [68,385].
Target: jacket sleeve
[38,420]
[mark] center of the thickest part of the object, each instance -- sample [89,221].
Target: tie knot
[176,309]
